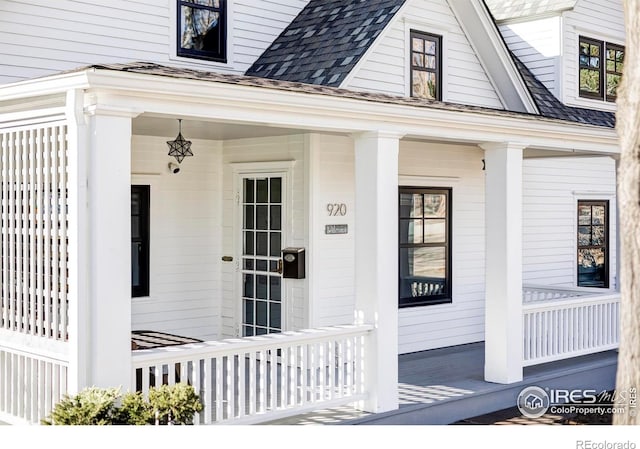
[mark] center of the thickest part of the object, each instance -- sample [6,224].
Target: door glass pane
[261,313]
[136,248]
[276,190]
[262,218]
[276,218]
[261,287]
[274,315]
[274,288]
[248,190]
[262,191]
[248,217]
[274,244]
[248,311]
[248,243]
[261,265]
[261,243]
[247,291]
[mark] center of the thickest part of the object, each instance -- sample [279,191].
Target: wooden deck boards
[444,385]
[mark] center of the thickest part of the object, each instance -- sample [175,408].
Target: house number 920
[337,209]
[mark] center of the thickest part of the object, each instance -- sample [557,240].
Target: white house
[368,179]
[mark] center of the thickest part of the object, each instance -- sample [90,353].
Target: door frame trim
[242,170]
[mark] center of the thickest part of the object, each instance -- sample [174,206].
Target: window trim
[606,245]
[602,69]
[144,289]
[447,296]
[438,39]
[196,54]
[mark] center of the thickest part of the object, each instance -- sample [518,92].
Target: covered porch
[72,151]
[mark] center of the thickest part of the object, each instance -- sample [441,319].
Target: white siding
[185,239]
[41,37]
[598,19]
[385,68]
[462,321]
[333,277]
[287,148]
[537,44]
[552,188]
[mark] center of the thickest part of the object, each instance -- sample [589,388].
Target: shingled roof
[325,41]
[549,106]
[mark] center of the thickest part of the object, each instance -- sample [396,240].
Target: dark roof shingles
[550,106]
[327,38]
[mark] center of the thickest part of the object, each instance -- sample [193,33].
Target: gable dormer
[574,48]
[435,50]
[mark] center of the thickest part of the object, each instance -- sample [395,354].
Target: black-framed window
[593,243]
[424,246]
[426,65]
[600,68]
[140,195]
[202,29]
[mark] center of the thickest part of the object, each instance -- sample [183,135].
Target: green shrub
[92,406]
[174,404]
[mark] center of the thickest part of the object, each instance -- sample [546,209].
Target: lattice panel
[33,258]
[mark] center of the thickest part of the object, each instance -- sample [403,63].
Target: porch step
[596,371]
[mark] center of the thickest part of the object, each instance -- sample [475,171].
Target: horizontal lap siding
[334,293]
[384,69]
[537,44]
[286,148]
[185,284]
[551,190]
[39,37]
[462,321]
[599,19]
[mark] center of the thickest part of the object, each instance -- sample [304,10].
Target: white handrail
[255,379]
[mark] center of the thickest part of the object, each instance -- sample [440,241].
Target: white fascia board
[474,10]
[39,87]
[265,106]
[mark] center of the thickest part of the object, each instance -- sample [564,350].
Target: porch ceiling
[150,125]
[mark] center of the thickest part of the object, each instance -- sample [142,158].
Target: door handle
[279,269]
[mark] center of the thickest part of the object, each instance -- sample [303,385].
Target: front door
[261,264]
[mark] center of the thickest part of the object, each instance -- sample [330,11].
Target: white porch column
[503,260]
[376,260]
[109,204]
[78,229]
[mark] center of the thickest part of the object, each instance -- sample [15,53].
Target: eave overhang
[292,105]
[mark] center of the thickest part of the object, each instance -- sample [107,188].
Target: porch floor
[445,385]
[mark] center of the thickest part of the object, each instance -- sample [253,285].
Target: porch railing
[256,379]
[559,323]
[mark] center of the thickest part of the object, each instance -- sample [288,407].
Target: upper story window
[202,29]
[601,65]
[426,65]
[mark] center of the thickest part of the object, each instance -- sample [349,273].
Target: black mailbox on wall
[293,263]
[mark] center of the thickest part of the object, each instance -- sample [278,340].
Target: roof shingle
[326,40]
